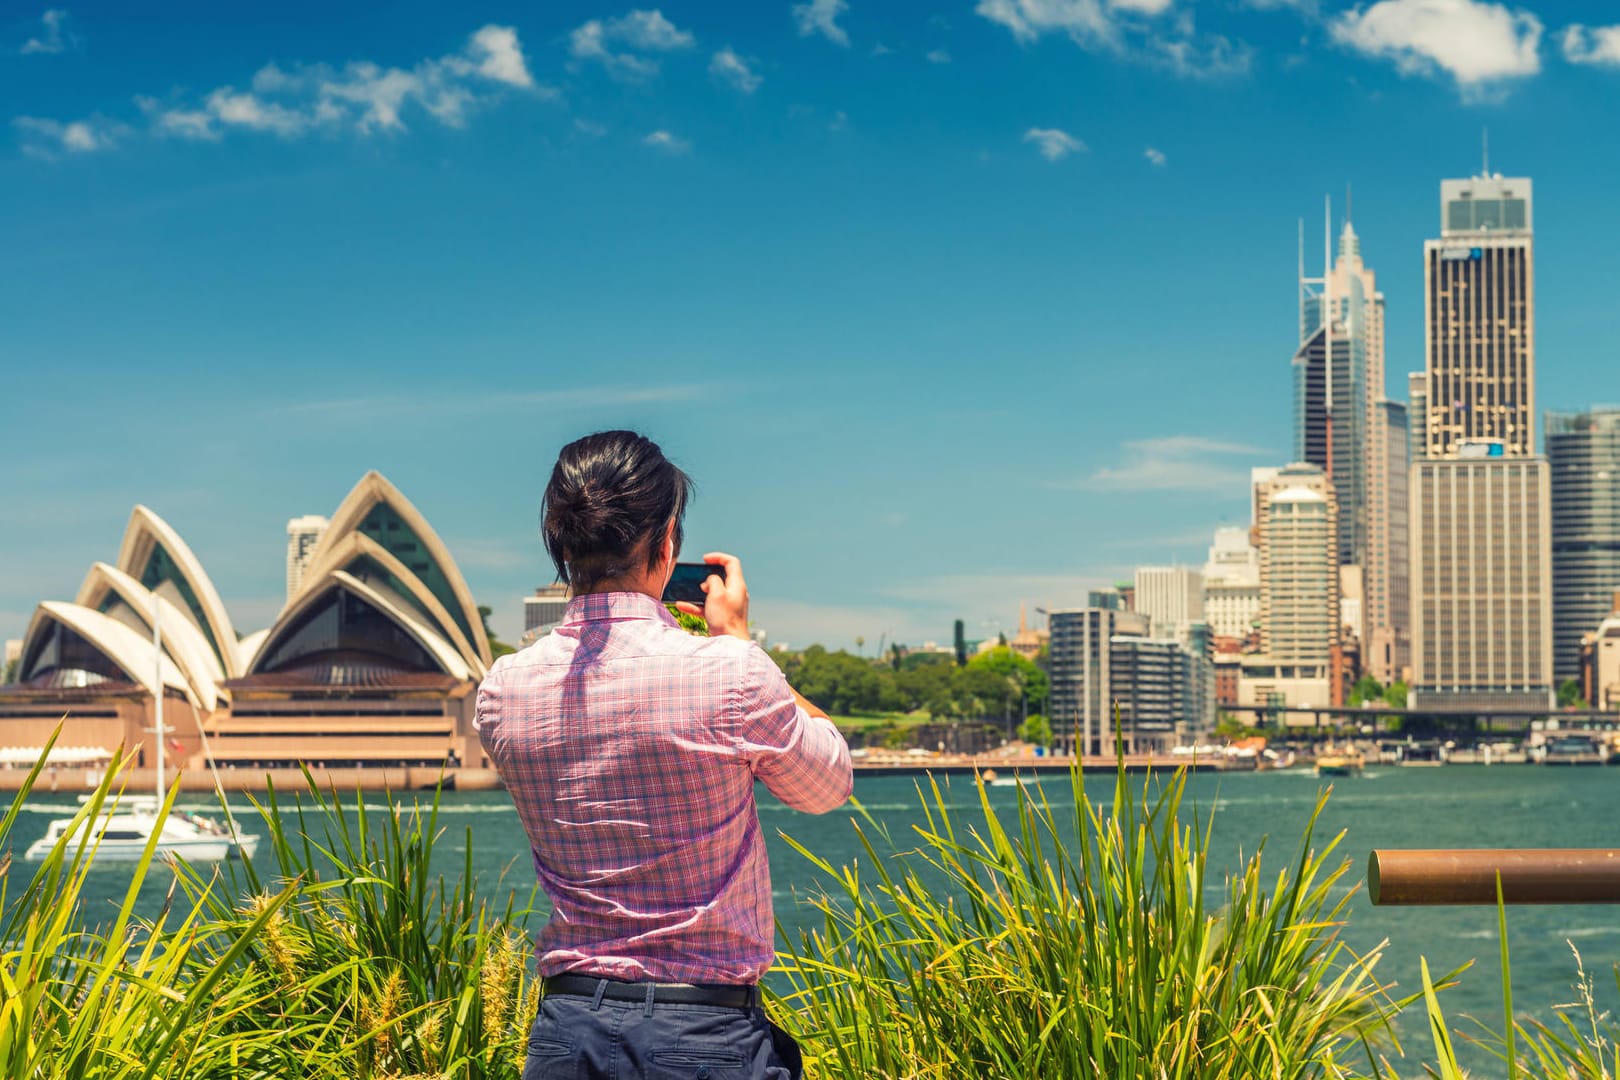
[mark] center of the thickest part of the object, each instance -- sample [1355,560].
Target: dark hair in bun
[610,494]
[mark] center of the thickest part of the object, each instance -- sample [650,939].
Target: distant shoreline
[75,780]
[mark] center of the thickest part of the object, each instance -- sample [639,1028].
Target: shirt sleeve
[802,759]
[487,716]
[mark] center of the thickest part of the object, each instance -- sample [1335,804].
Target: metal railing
[1468,876]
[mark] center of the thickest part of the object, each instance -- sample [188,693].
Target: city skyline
[903,310]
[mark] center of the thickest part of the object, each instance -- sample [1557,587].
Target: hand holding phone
[722,596]
[686,583]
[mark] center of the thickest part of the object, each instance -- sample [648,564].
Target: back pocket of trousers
[697,1064]
[550,1059]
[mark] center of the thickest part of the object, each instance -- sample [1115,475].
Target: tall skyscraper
[1479,280]
[1172,596]
[1299,577]
[303,533]
[1386,652]
[1338,385]
[1482,574]
[1296,523]
[1342,425]
[1583,458]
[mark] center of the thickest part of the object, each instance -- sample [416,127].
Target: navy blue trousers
[575,1039]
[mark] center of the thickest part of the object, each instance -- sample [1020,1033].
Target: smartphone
[686,583]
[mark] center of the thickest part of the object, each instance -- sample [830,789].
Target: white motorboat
[122,833]
[126,824]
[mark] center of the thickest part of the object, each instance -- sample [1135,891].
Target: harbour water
[1385,807]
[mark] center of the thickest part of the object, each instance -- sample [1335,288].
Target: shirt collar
[616,607]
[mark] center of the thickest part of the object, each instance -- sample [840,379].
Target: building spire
[1485,148]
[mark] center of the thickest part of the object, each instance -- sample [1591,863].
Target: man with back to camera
[631,749]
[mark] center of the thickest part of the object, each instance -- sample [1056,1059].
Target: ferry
[1339,762]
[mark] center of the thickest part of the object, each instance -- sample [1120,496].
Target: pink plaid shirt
[631,749]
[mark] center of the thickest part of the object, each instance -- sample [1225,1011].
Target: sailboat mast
[157,688]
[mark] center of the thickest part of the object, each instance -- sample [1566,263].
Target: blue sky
[945,305]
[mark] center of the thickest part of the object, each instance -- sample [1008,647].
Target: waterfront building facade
[1479,327]
[1172,597]
[1583,461]
[1162,690]
[1482,581]
[303,533]
[1080,666]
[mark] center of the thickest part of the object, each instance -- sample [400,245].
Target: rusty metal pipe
[1468,876]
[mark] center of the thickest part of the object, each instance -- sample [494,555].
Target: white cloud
[56,38]
[248,111]
[1054,144]
[645,30]
[1135,29]
[821,17]
[1155,156]
[47,138]
[1592,45]
[663,140]
[1175,463]
[649,30]
[1475,42]
[499,56]
[731,68]
[1086,21]
[939,56]
[363,95]
[589,127]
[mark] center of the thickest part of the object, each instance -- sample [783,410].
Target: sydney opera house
[372,663]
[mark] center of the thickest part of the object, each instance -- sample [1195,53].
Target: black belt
[723,996]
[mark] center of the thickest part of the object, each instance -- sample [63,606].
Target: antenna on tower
[1348,216]
[1302,278]
[1485,148]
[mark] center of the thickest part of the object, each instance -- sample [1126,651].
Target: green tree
[984,692]
[1569,695]
[1008,664]
[842,684]
[1037,730]
[497,647]
[1367,689]
[928,686]
[1395,694]
[11,672]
